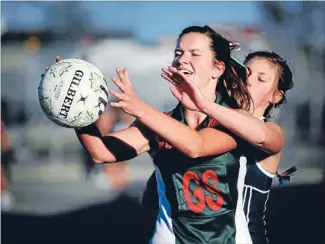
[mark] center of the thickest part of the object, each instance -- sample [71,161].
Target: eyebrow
[262,73]
[191,50]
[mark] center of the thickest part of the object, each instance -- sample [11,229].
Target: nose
[183,59]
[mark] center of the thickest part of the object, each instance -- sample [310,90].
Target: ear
[219,69]
[277,96]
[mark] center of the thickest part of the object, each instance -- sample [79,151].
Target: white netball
[73,93]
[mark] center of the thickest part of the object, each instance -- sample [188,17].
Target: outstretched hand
[128,99]
[184,89]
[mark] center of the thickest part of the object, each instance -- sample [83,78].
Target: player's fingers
[175,74]
[47,68]
[118,83]
[126,77]
[182,76]
[166,71]
[172,69]
[117,94]
[173,77]
[117,104]
[177,79]
[166,77]
[58,58]
[178,74]
[120,74]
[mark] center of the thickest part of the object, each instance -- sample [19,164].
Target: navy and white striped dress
[254,185]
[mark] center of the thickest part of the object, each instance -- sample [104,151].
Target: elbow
[260,138]
[261,141]
[194,151]
[99,158]
[193,154]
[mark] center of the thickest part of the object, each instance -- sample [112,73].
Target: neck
[209,91]
[259,111]
[194,118]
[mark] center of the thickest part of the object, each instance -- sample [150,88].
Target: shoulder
[274,127]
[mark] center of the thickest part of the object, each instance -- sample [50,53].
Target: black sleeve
[120,149]
[147,133]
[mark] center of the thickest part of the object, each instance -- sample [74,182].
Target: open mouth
[186,72]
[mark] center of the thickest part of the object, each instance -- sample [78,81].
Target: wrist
[205,107]
[142,111]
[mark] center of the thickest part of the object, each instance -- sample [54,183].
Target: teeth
[185,72]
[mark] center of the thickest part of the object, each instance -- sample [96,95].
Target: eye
[260,79]
[196,54]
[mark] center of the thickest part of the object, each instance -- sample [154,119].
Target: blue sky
[149,20]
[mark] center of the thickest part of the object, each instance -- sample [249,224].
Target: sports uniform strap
[284,177]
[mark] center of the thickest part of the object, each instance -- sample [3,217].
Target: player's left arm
[265,135]
[193,143]
[274,139]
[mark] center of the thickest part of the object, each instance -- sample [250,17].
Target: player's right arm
[114,147]
[265,135]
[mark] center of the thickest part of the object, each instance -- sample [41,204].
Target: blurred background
[55,194]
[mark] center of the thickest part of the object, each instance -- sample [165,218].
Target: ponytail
[232,85]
